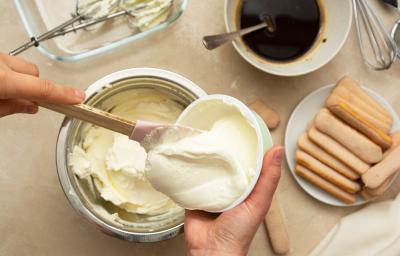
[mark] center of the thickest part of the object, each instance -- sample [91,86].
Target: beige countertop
[35,216]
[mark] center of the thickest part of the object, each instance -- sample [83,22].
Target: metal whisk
[90,12]
[378,48]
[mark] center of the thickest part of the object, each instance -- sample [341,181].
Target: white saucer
[297,125]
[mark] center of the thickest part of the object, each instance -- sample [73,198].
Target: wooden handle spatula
[135,130]
[94,116]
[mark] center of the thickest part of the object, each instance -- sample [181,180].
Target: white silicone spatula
[134,130]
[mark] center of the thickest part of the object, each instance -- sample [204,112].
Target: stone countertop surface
[35,216]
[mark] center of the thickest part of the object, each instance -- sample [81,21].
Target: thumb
[244,219]
[12,106]
[260,198]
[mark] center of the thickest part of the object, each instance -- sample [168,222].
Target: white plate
[297,125]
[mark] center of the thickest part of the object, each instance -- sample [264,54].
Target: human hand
[231,232]
[21,88]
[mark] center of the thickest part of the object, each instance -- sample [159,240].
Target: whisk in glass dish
[141,14]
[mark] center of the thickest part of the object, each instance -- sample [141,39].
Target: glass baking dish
[39,16]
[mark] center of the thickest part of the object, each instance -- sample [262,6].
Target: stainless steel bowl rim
[62,140]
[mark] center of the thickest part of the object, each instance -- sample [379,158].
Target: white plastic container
[262,132]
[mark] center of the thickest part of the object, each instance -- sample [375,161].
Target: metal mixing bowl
[105,94]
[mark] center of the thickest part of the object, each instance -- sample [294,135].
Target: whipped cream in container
[216,169]
[102,172]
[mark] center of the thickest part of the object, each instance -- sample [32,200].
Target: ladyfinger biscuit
[395,142]
[335,99]
[357,143]
[364,193]
[377,174]
[349,96]
[351,84]
[324,185]
[315,151]
[270,116]
[326,172]
[381,189]
[338,151]
[276,228]
[345,113]
[396,138]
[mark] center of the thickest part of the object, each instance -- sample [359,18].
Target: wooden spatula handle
[276,228]
[94,116]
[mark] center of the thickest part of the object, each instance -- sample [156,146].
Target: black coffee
[297,25]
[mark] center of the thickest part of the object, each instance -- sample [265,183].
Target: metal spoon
[214,41]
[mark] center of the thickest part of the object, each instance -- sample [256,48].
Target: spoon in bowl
[214,41]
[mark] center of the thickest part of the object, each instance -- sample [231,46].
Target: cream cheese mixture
[117,164]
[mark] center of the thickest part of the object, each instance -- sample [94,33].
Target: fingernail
[277,157]
[80,94]
[30,109]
